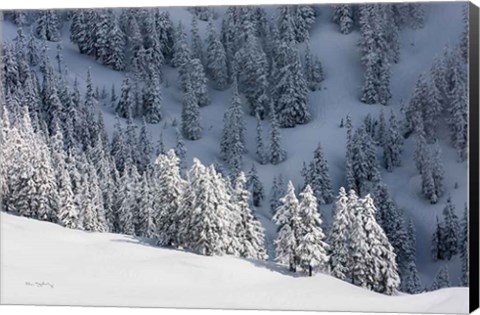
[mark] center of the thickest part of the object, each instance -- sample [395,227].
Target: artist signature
[41,284]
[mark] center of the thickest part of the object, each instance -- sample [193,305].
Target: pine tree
[146,222]
[249,231]
[232,144]
[145,149]
[261,153]
[115,46]
[126,103]
[277,154]
[198,81]
[343,16]
[126,200]
[374,266]
[313,69]
[450,232]
[278,191]
[291,87]
[152,101]
[251,69]
[168,193]
[255,186]
[339,238]
[216,64]
[417,15]
[362,163]
[208,227]
[288,219]
[392,222]
[197,45]
[442,279]
[312,249]
[191,128]
[318,179]
[393,145]
[180,149]
[374,48]
[437,241]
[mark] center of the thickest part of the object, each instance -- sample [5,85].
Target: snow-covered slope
[43,263]
[338,97]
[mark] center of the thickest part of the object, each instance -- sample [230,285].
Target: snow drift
[43,263]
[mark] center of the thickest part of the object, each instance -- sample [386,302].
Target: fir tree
[255,186]
[167,202]
[313,69]
[288,220]
[126,103]
[249,231]
[260,147]
[442,279]
[191,128]
[393,145]
[339,238]
[197,45]
[312,249]
[318,179]
[216,64]
[343,16]
[277,154]
[152,101]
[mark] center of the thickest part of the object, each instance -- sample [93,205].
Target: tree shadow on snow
[273,267]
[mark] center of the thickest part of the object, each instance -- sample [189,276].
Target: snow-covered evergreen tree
[312,249]
[313,69]
[344,17]
[152,101]
[291,92]
[232,144]
[125,104]
[289,222]
[450,232]
[260,151]
[249,231]
[216,63]
[339,238]
[393,145]
[442,279]
[255,186]
[278,191]
[146,219]
[168,192]
[251,69]
[126,204]
[191,128]
[277,153]
[318,179]
[197,44]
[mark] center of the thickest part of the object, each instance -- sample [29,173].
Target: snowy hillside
[43,263]
[121,270]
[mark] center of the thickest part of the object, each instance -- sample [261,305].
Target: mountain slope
[43,263]
[339,96]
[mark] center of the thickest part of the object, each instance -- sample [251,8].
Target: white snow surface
[45,264]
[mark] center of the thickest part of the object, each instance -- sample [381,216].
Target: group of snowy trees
[379,44]
[441,96]
[450,237]
[360,251]
[348,16]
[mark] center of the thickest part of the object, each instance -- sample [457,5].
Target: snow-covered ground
[43,263]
